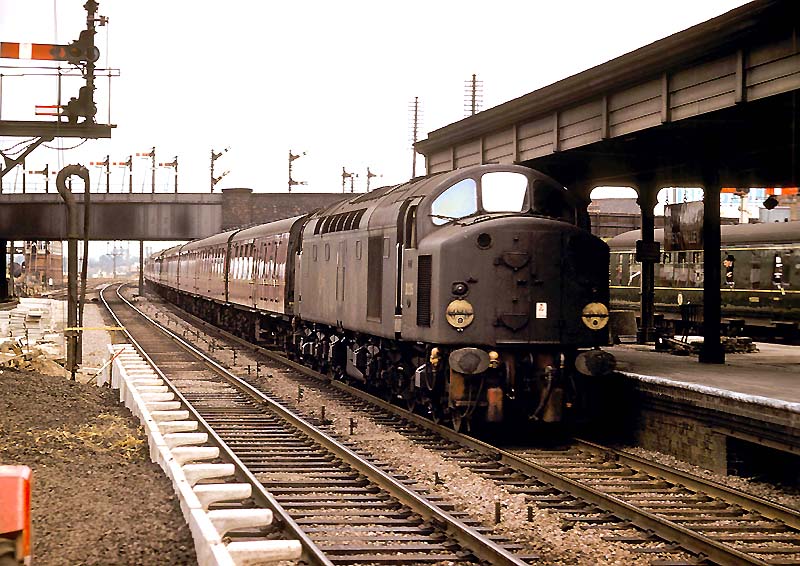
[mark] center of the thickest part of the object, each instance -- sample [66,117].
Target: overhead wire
[80,143]
[10,150]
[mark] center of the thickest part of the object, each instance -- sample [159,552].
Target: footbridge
[151,216]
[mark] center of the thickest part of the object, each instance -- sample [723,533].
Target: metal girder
[24,128]
[9,163]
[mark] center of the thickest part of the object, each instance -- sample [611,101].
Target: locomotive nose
[529,280]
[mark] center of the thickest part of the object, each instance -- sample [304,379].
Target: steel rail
[769,509]
[311,552]
[481,546]
[691,540]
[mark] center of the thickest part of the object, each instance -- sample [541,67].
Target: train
[471,296]
[760,267]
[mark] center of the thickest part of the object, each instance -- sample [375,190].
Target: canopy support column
[712,351]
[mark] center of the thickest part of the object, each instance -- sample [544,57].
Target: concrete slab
[771,373]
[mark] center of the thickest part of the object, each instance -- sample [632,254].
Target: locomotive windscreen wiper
[449,218]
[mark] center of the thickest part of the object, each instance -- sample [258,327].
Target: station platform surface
[772,373]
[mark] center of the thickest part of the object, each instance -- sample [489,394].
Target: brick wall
[686,439]
[243,207]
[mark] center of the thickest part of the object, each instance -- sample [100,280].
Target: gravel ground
[97,498]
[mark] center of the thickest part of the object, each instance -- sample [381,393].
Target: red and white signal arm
[15,512]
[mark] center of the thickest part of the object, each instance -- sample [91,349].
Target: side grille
[424,290]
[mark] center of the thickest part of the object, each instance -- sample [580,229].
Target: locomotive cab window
[504,192]
[458,201]
[551,200]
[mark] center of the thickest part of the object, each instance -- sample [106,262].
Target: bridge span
[152,216]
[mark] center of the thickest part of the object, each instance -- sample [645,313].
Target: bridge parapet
[152,216]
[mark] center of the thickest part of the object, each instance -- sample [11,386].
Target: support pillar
[4,271]
[647,199]
[141,268]
[712,351]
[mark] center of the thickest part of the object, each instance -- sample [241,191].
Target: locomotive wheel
[411,403]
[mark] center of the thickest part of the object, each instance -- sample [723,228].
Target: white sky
[333,79]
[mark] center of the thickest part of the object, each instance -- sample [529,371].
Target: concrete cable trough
[180,450]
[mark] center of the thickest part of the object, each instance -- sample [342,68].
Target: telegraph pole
[414,129]
[473,95]
[292,182]
[115,253]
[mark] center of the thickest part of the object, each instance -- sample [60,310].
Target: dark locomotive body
[469,292]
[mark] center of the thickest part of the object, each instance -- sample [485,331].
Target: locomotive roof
[418,186]
[762,233]
[269,229]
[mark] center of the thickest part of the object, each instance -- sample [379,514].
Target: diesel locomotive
[471,295]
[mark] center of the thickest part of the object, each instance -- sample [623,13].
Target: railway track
[656,509]
[342,508]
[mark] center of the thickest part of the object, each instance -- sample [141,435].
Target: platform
[709,414]
[772,373]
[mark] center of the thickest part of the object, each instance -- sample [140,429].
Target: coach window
[458,201]
[791,267]
[618,277]
[755,270]
[777,271]
[503,191]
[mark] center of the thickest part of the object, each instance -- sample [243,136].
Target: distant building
[612,216]
[42,267]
